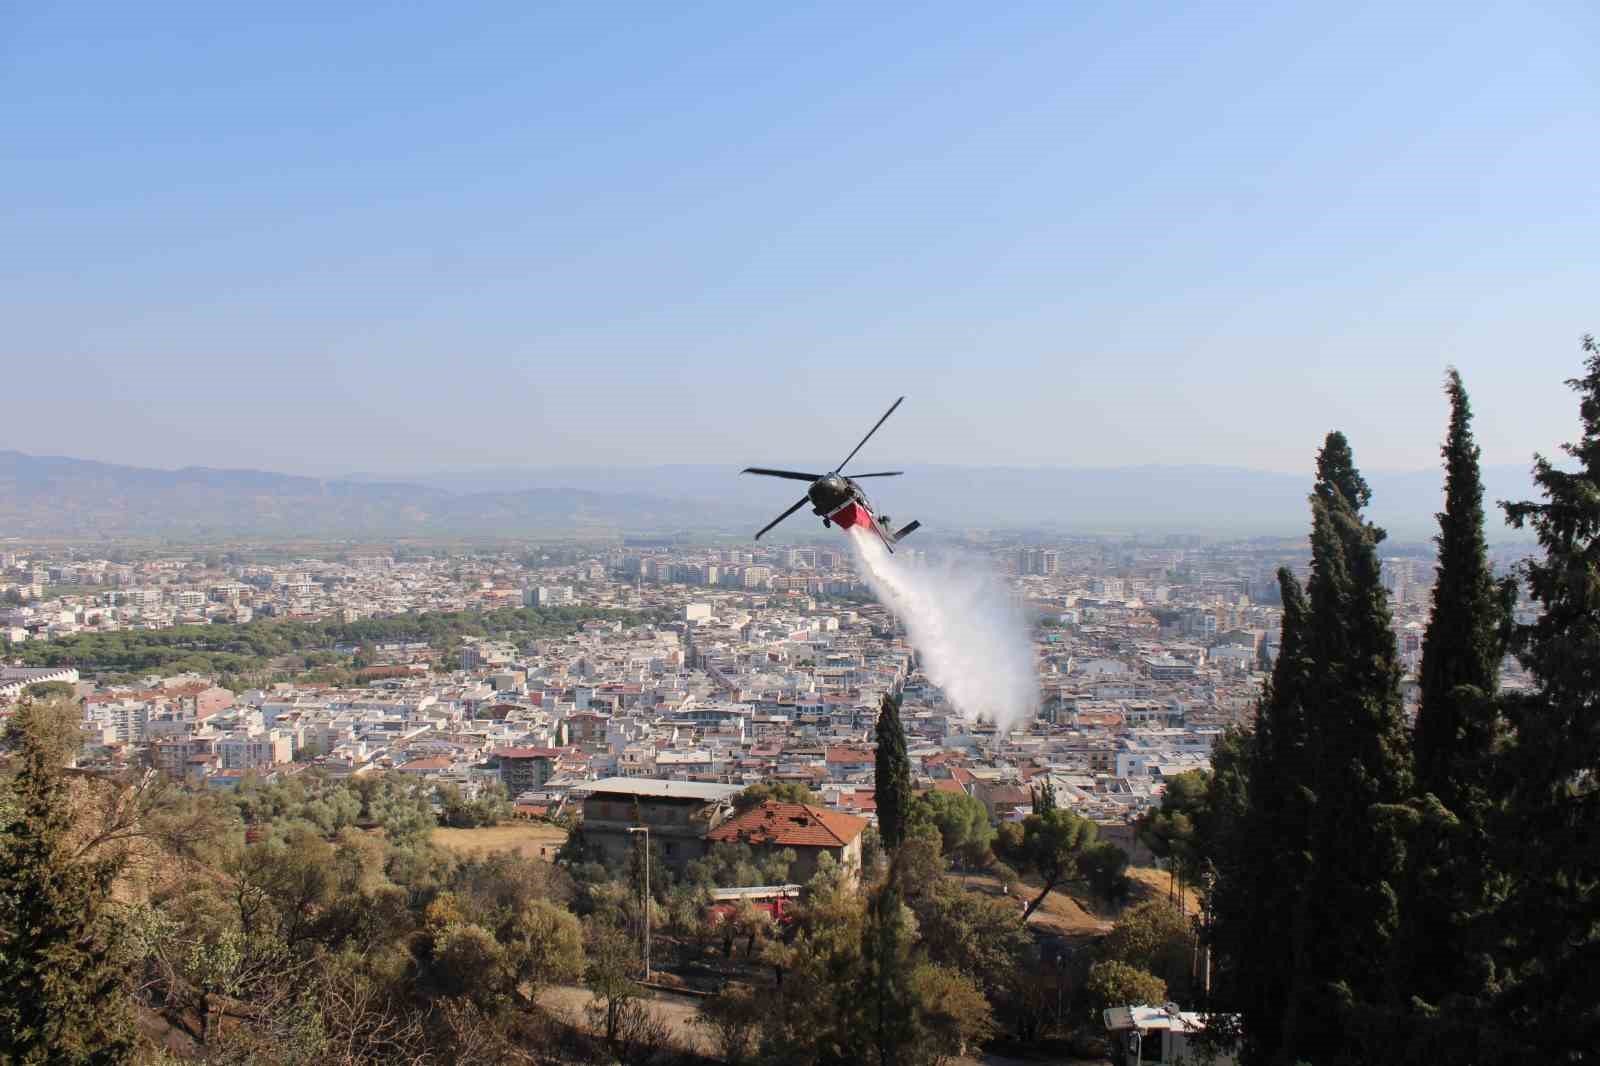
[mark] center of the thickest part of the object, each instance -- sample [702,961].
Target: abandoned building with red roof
[810,832]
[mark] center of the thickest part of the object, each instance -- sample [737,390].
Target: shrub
[1116,984]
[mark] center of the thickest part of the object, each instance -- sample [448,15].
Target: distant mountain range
[53,496]
[1197,499]
[48,495]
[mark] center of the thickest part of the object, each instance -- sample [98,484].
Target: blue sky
[331,237]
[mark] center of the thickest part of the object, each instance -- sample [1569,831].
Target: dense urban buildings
[717,666]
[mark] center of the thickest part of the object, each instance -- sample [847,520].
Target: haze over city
[400,239]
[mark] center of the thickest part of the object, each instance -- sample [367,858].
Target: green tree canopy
[1051,845]
[1105,867]
[1116,984]
[962,822]
[1548,996]
[893,776]
[780,791]
[1359,762]
[1157,938]
[63,999]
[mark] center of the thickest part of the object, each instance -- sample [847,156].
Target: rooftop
[789,825]
[651,786]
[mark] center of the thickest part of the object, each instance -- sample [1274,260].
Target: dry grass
[1151,883]
[570,1003]
[1068,911]
[1059,913]
[533,839]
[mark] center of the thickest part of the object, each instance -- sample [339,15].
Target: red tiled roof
[946,784]
[861,800]
[789,825]
[849,755]
[140,696]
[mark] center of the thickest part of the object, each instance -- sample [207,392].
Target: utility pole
[646,910]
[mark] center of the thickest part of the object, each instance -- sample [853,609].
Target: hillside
[54,496]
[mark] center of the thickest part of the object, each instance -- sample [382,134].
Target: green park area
[240,654]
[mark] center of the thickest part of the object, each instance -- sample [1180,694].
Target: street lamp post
[646,831]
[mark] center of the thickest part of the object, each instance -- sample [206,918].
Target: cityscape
[457,606]
[573,687]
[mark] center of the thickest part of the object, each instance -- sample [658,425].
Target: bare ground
[536,840]
[1151,883]
[1059,913]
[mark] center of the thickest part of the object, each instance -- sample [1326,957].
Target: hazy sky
[425,236]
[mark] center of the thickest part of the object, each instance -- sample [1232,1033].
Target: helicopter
[838,499]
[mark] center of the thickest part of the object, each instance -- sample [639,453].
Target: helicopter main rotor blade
[881,473]
[798,504]
[792,475]
[870,432]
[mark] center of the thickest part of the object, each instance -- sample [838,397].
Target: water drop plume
[971,637]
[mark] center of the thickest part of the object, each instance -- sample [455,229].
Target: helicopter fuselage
[841,501]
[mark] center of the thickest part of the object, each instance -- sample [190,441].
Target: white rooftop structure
[655,787]
[1160,1035]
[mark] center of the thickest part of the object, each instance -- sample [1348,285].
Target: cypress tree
[1359,769]
[1044,797]
[892,781]
[887,936]
[1463,645]
[1440,957]
[1257,843]
[1550,994]
[61,998]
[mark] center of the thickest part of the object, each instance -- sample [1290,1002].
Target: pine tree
[1553,833]
[893,778]
[1440,958]
[62,999]
[1359,764]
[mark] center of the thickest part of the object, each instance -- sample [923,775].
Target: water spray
[972,639]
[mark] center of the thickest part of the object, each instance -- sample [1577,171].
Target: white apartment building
[255,751]
[122,720]
[1039,561]
[548,596]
